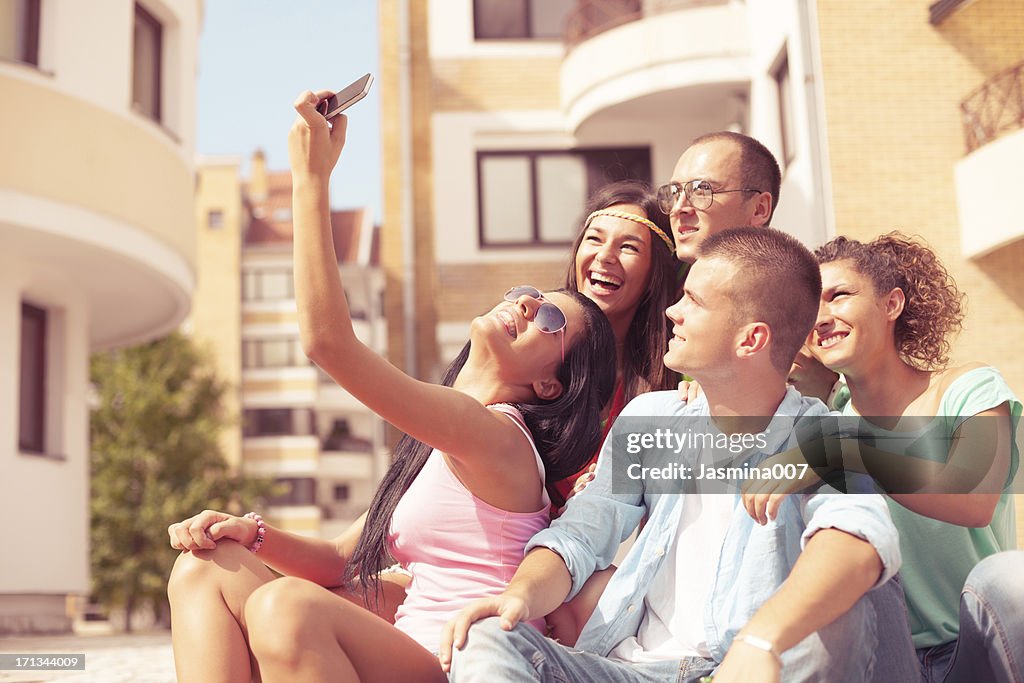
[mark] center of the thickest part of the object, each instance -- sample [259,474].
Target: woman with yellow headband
[624,260]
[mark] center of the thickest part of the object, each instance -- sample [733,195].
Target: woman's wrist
[261,531]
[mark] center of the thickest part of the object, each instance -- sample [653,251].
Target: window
[146,65]
[297,491]
[787,126]
[19,35]
[520,19]
[341,493]
[215,219]
[32,384]
[269,284]
[277,422]
[282,352]
[535,197]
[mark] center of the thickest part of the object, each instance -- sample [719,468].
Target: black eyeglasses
[549,318]
[698,192]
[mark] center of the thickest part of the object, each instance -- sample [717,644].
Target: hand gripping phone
[345,98]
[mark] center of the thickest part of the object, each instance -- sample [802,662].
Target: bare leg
[392,594]
[566,622]
[208,590]
[300,631]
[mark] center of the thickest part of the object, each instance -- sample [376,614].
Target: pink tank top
[457,547]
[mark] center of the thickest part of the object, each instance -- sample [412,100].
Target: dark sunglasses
[549,318]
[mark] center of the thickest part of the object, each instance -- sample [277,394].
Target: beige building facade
[98,252]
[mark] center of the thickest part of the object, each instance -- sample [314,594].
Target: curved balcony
[100,201]
[625,56]
[987,179]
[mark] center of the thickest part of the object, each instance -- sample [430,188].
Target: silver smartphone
[345,98]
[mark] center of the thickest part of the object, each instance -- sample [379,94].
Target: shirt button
[659,552]
[631,609]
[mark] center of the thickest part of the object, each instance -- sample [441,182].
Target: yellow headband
[636,219]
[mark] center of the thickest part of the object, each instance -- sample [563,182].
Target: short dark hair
[933,311]
[760,168]
[642,367]
[778,283]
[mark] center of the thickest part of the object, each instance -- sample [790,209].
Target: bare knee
[277,620]
[204,568]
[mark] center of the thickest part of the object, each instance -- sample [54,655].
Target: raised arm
[468,429]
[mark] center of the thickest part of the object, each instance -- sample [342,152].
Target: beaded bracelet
[261,531]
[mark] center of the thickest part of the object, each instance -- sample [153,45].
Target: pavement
[118,658]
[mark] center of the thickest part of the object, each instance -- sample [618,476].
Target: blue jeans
[842,652]
[991,642]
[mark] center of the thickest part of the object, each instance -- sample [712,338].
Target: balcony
[99,201]
[627,58]
[987,179]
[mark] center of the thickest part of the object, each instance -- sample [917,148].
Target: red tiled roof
[271,221]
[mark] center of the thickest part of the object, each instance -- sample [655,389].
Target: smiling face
[704,320]
[522,351]
[613,264]
[720,163]
[854,321]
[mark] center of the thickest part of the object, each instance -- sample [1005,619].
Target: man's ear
[548,389]
[895,302]
[753,339]
[762,210]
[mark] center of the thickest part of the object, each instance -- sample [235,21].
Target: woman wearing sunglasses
[519,406]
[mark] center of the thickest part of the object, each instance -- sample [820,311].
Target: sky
[256,56]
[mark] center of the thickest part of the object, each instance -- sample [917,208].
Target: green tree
[155,460]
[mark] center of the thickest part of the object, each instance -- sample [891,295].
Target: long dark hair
[646,340]
[565,430]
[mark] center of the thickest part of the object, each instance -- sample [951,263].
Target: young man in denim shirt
[706,588]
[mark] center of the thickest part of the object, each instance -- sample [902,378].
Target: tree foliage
[155,460]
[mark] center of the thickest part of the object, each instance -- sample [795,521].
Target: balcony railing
[591,17]
[995,108]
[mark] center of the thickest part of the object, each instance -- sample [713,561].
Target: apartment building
[501,117]
[296,426]
[98,251]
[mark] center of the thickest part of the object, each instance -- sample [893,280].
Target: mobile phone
[345,98]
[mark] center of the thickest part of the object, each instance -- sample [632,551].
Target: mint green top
[938,556]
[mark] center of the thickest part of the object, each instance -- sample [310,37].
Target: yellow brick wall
[419,196]
[893,84]
[469,289]
[496,83]
[216,306]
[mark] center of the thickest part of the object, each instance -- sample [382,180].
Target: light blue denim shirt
[754,559]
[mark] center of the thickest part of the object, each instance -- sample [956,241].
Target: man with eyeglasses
[723,180]
[728,180]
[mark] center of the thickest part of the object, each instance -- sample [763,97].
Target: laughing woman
[624,261]
[466,491]
[888,309]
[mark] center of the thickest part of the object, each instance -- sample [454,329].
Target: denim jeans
[991,642]
[842,652]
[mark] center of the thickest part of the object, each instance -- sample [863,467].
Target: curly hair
[934,310]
